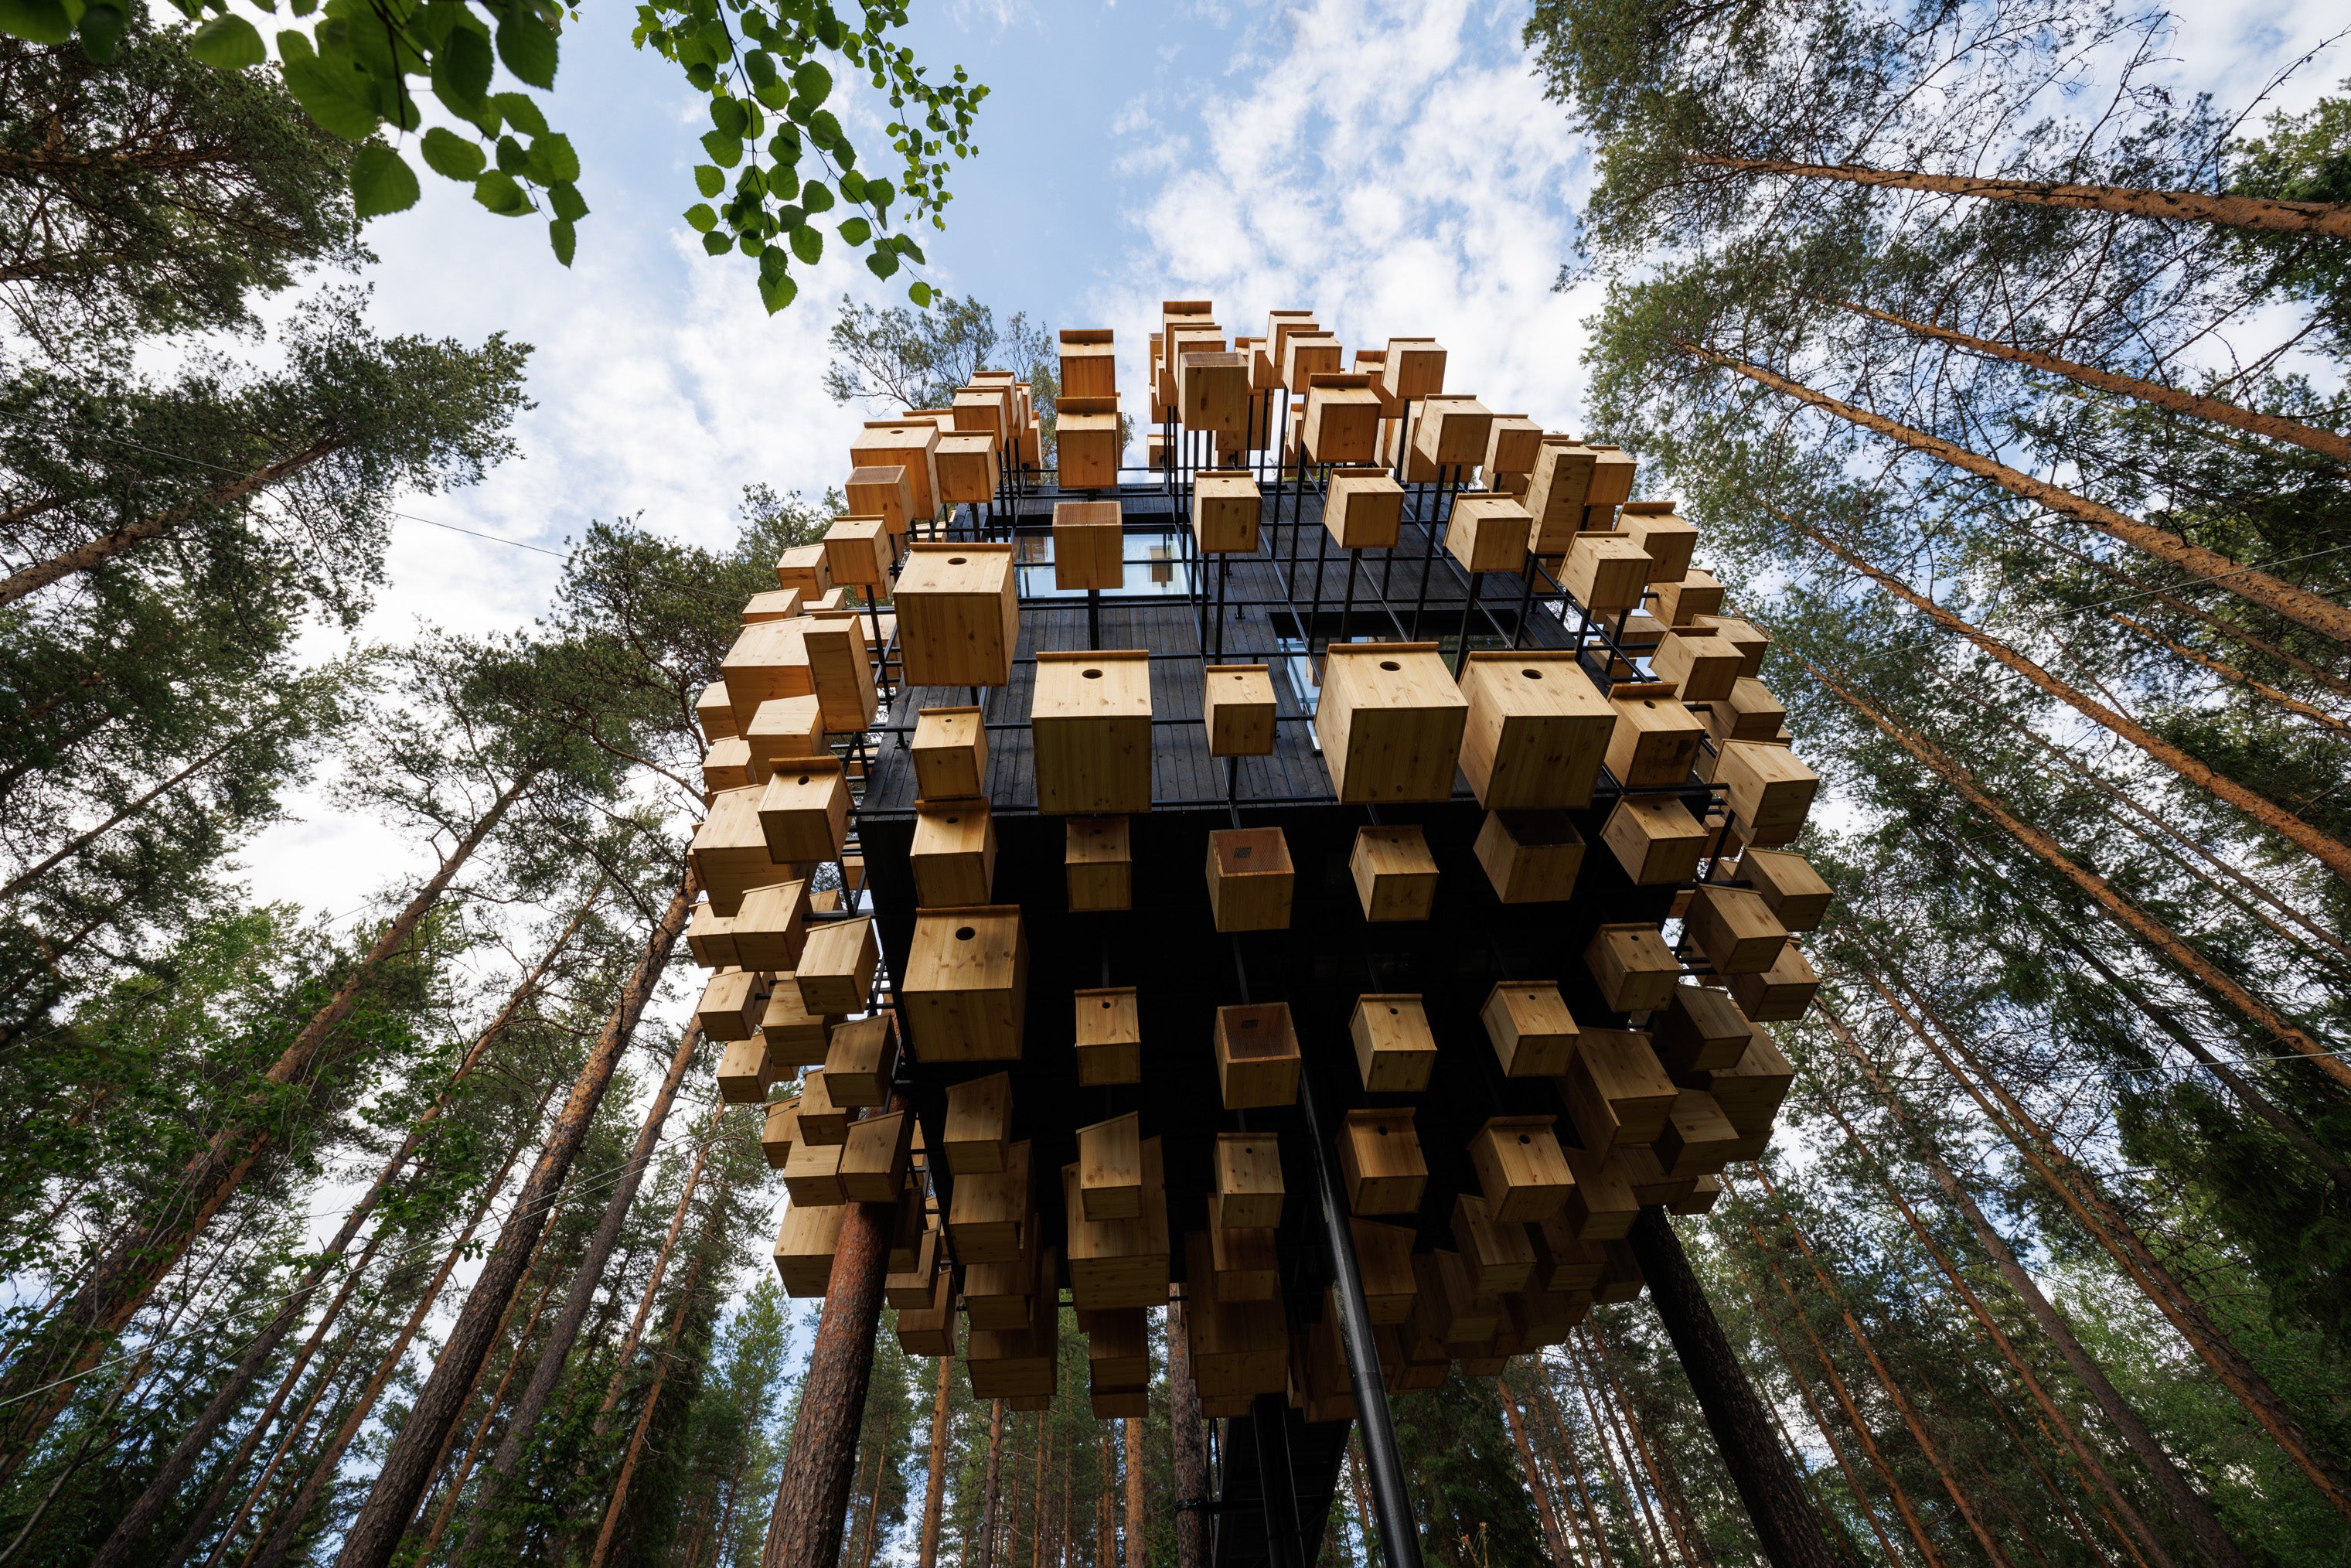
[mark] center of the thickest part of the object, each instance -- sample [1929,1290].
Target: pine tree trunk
[935,1494]
[1669,1500]
[375,1533]
[2335,856]
[107,546]
[1037,1510]
[482,1429]
[1637,1503]
[1137,1549]
[2193,1514]
[130,1271]
[805,1527]
[873,1514]
[1188,1439]
[630,1341]
[579,1298]
[1574,1467]
[1362,1503]
[2120,910]
[2230,673]
[2320,614]
[2155,393]
[992,1496]
[2190,206]
[132,1531]
[645,1419]
[1553,1540]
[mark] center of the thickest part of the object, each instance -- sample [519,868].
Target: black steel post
[1399,1538]
[1277,1488]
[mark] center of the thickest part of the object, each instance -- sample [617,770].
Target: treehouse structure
[1328,882]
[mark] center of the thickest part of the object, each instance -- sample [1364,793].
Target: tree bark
[804,1530]
[482,1429]
[374,1534]
[2337,856]
[1188,1440]
[635,1335]
[2190,206]
[2317,715]
[2273,593]
[644,1421]
[2117,908]
[1036,1511]
[1553,1539]
[1574,1467]
[2188,1506]
[107,546]
[935,1494]
[579,1297]
[131,1270]
[165,1484]
[1603,1432]
[992,1496]
[1137,1550]
[1362,1503]
[2219,411]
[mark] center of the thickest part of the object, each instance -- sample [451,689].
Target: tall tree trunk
[1037,1510]
[2219,411]
[630,1341]
[1574,1465]
[1554,1540]
[645,1419]
[482,1429]
[992,1494]
[331,1458]
[935,1494]
[2082,1197]
[2230,673]
[579,1298]
[132,1531]
[107,546]
[1611,1399]
[2190,206]
[2193,1514]
[2117,908]
[874,1513]
[1137,1549]
[374,1534]
[1187,1440]
[2336,855]
[1637,1503]
[320,1389]
[1669,1499]
[804,1528]
[131,1269]
[2321,615]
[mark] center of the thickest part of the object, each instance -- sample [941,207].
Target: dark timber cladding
[1254,872]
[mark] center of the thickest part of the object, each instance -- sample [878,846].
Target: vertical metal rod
[1274,1481]
[1347,614]
[1399,1537]
[1461,653]
[1094,606]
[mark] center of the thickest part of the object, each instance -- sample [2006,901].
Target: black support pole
[1784,1520]
[1399,1538]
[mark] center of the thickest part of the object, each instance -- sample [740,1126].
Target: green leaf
[521,111]
[101,25]
[717,245]
[856,231]
[231,43]
[760,67]
[784,146]
[830,31]
[775,293]
[807,243]
[552,161]
[853,186]
[331,90]
[824,129]
[879,195]
[700,219]
[564,238]
[453,157]
[908,247]
[728,114]
[528,47]
[774,94]
[920,293]
[774,263]
[567,201]
[35,21]
[499,193]
[461,72]
[725,150]
[707,180]
[512,159]
[815,197]
[382,182]
[882,263]
[811,81]
[749,244]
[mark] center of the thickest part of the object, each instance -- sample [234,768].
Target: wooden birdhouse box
[1379,1156]
[979,1129]
[1237,706]
[1212,389]
[1699,1139]
[1605,572]
[1653,742]
[1304,356]
[1612,477]
[1499,1254]
[804,568]
[779,1132]
[1615,1090]
[991,1211]
[1109,1036]
[1536,730]
[1343,419]
[1522,1174]
[887,493]
[1681,602]
[907,444]
[1655,838]
[1109,1168]
[958,614]
[953,853]
[805,1243]
[1089,545]
[1530,857]
[1090,726]
[1249,1191]
[1749,712]
[1556,486]
[1752,640]
[1770,793]
[1735,929]
[1364,509]
[840,670]
[836,968]
[1532,1032]
[769,927]
[714,711]
[1250,879]
[730,851]
[1116,1263]
[857,552]
[812,1175]
[1395,1050]
[1633,969]
[782,731]
[1703,666]
[965,993]
[795,1036]
[777,604]
[1390,721]
[727,765]
[1384,1256]
[950,754]
[1225,510]
[1088,362]
[984,410]
[858,1059]
[1395,874]
[1450,429]
[1487,532]
[767,661]
[731,1003]
[1087,437]
[1257,1056]
[1668,541]
[1602,1207]
[1700,1029]
[804,813]
[874,1158]
[710,937]
[970,466]
[1791,889]
[1414,369]
[1098,860]
[1781,993]
[1512,440]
